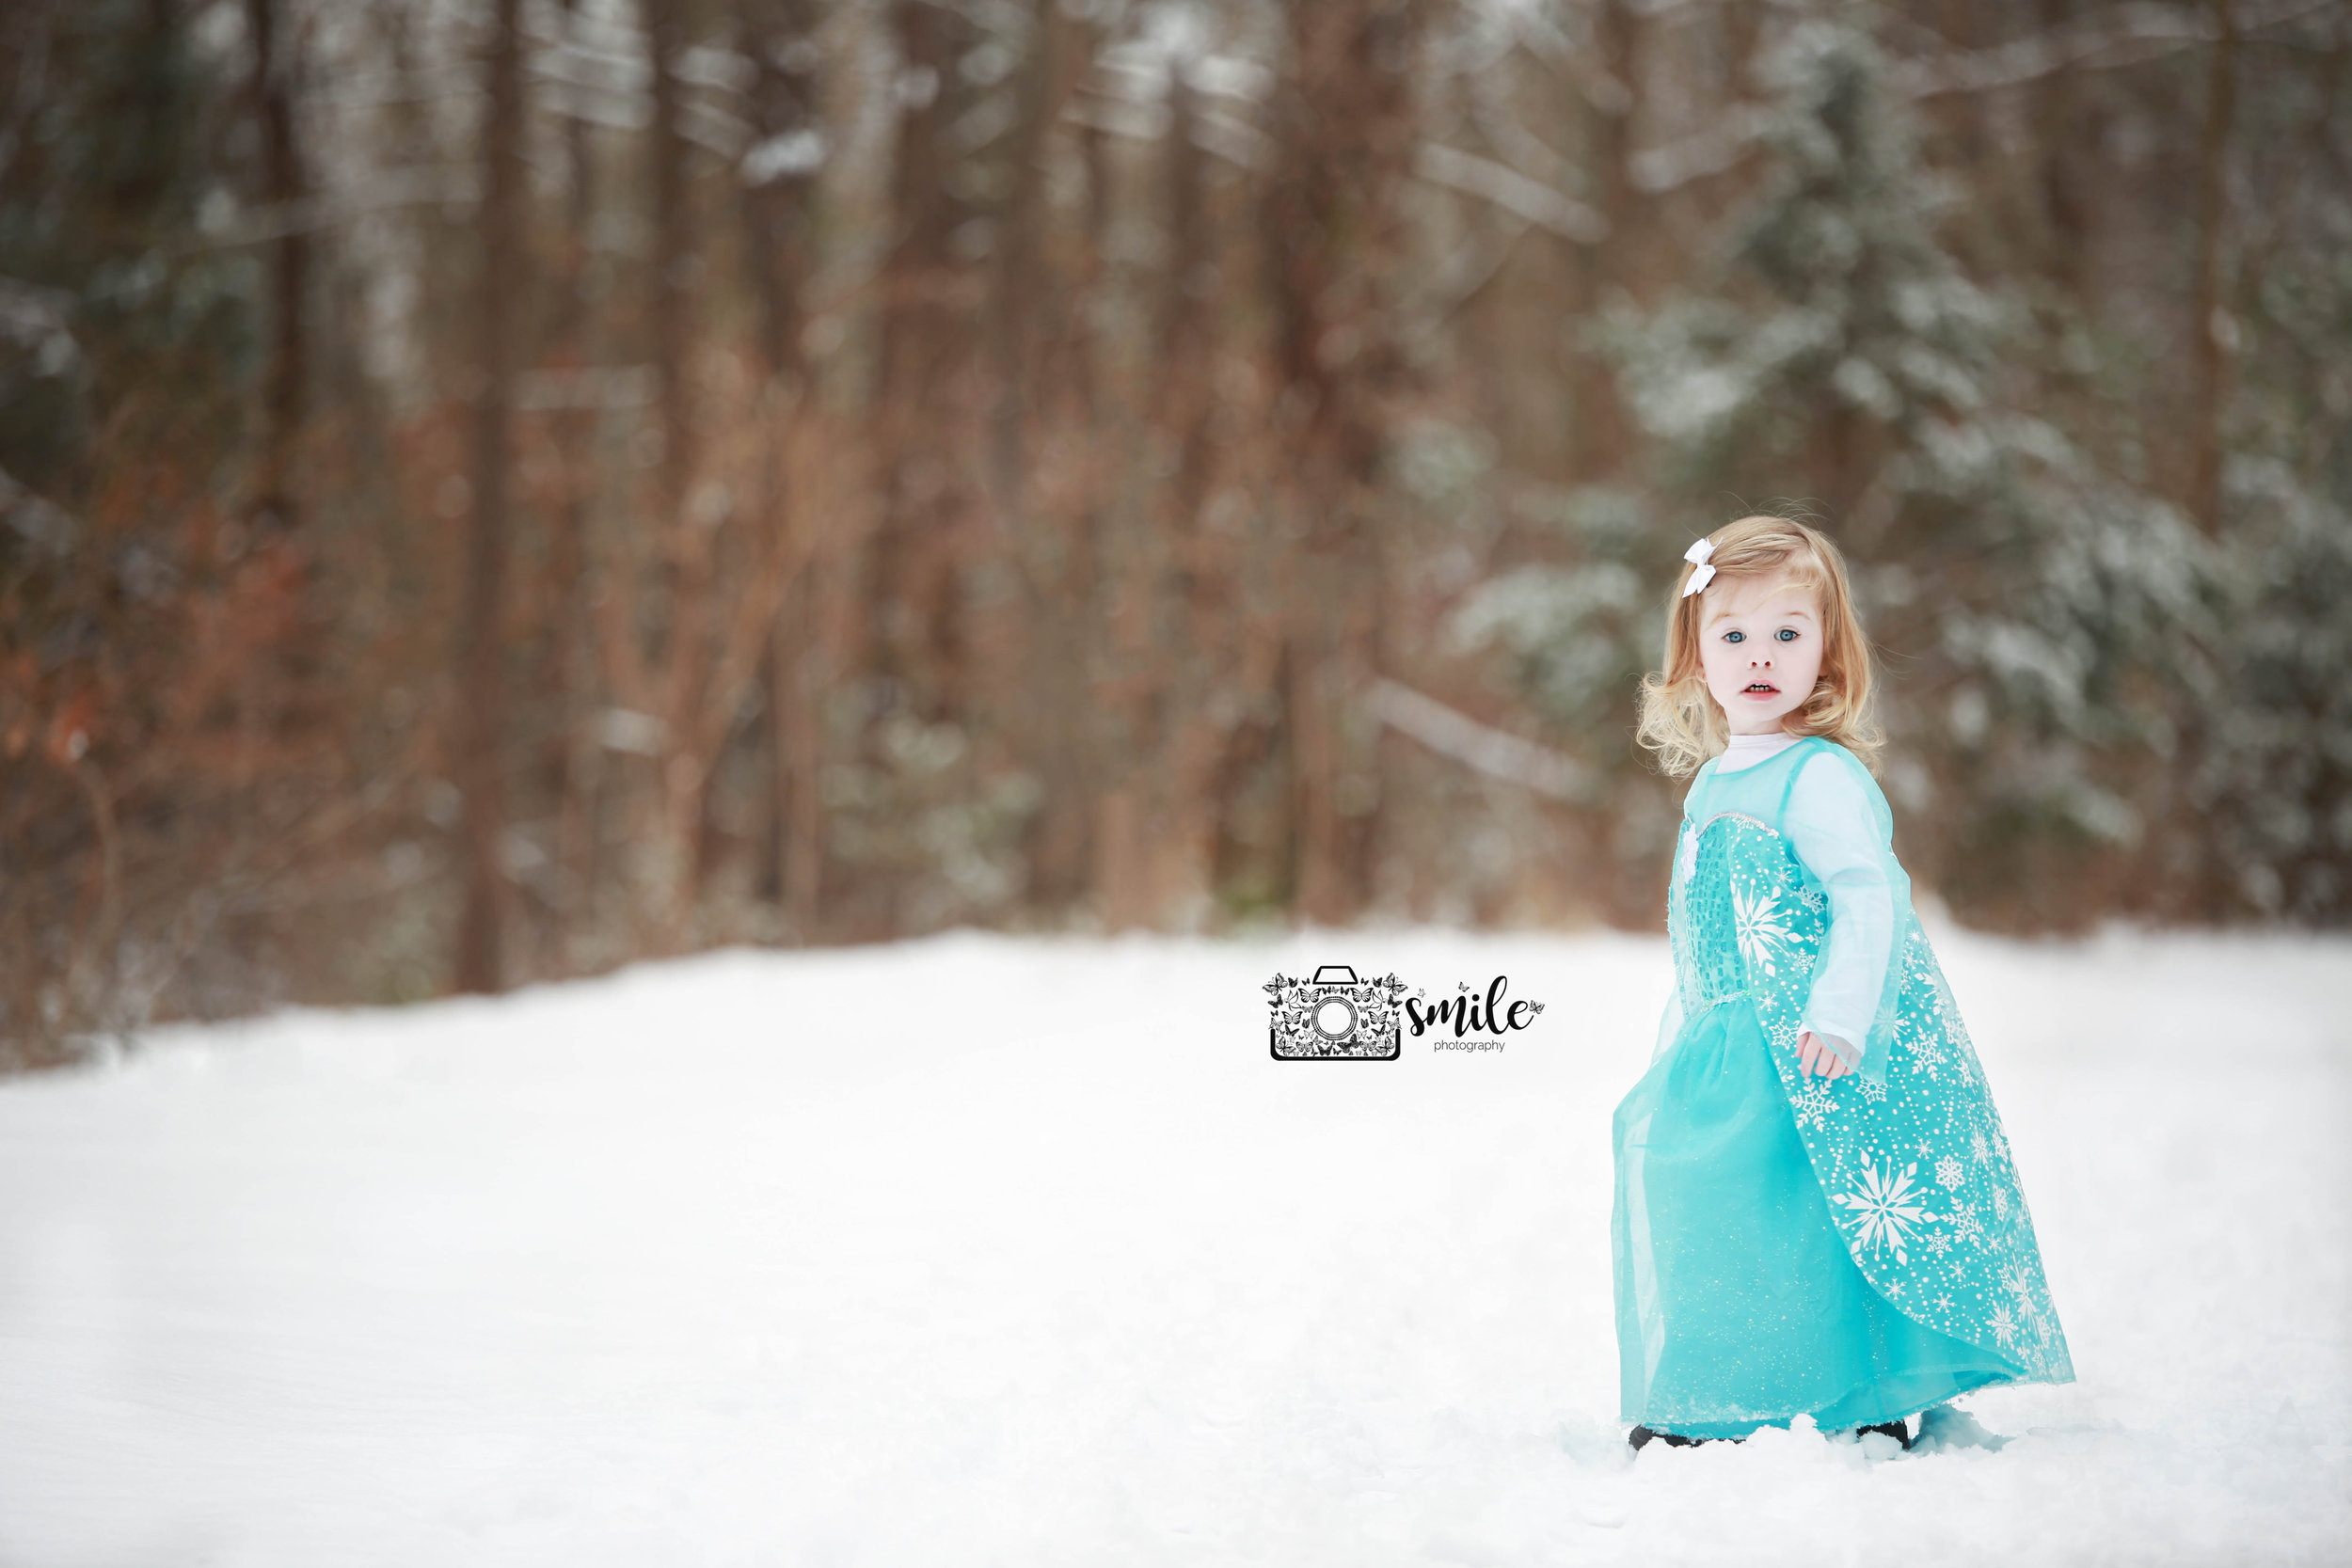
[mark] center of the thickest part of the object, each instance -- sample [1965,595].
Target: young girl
[1816,1210]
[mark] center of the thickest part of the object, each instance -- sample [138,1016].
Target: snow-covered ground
[983,1250]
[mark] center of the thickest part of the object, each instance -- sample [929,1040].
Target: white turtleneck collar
[1746,751]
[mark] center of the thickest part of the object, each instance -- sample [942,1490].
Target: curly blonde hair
[1680,719]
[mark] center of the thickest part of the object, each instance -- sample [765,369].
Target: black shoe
[1899,1430]
[1640,1436]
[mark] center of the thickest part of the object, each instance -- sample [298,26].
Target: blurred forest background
[497,488]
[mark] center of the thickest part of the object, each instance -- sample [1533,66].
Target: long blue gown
[1857,1249]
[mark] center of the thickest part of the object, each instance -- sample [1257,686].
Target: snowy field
[993,1251]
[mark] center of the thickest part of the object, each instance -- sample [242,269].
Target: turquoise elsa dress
[1857,1249]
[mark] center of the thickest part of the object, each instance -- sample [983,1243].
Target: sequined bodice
[1739,899]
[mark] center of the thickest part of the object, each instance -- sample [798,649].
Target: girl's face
[1760,646]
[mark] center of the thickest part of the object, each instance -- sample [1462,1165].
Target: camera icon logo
[1336,1017]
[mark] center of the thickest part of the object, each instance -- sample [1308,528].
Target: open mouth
[1761,688]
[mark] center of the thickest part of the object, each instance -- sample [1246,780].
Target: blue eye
[1735,637]
[1787,634]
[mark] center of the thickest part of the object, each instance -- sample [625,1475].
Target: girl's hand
[1814,1055]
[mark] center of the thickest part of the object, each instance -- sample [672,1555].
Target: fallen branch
[1454,734]
[1512,190]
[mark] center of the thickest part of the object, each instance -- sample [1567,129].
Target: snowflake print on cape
[1947,1172]
[1813,1103]
[1884,1209]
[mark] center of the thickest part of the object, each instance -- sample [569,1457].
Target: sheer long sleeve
[1840,828]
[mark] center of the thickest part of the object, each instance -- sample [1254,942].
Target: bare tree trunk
[1603,438]
[1031,325]
[916,653]
[282,190]
[780,181]
[2065,194]
[686,759]
[482,695]
[1196,635]
[925,387]
[567,678]
[1022,279]
[1077,854]
[2211,328]
[1330,229]
[780,173]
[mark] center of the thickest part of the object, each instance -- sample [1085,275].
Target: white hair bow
[1698,554]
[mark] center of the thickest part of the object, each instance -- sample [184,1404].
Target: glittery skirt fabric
[1739,1303]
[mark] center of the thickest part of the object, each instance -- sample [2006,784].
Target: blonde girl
[1816,1210]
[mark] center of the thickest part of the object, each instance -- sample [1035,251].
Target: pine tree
[2032,604]
[2269,794]
[113,301]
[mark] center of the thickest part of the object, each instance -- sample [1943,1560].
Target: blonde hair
[1680,719]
